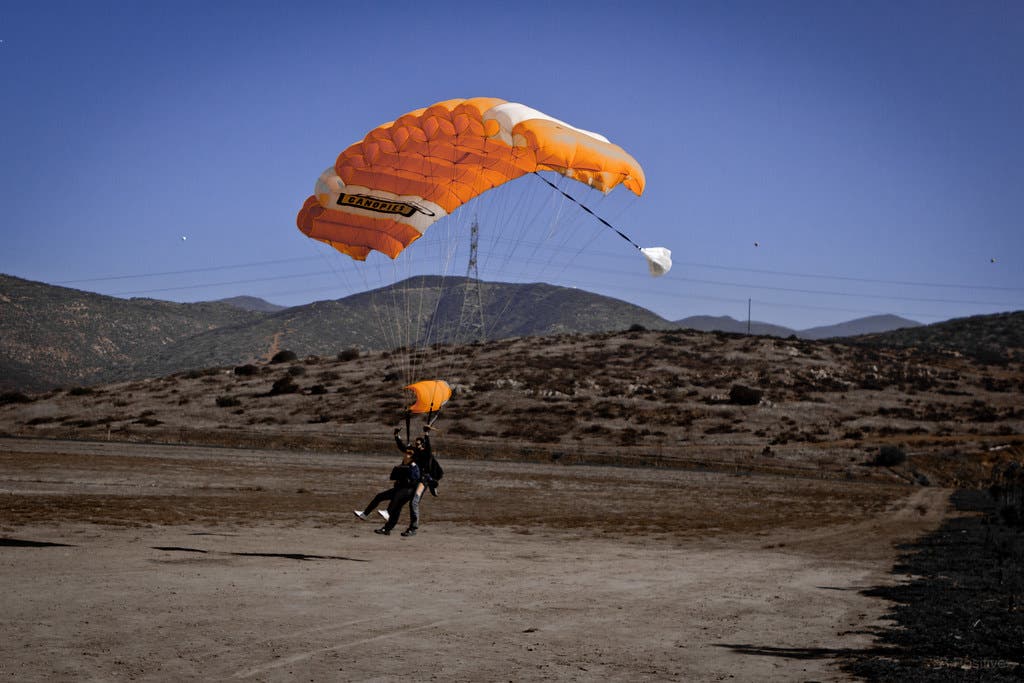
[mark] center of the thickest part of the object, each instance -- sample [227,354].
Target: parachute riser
[587,209]
[432,418]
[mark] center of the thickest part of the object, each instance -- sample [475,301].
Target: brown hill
[667,398]
[417,312]
[55,336]
[997,338]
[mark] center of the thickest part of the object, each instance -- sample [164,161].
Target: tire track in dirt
[307,654]
[875,538]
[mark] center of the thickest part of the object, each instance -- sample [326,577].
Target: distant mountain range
[55,336]
[251,303]
[703,323]
[852,328]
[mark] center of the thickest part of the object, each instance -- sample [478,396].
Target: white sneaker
[384,514]
[360,514]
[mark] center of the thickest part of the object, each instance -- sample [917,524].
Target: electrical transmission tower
[471,318]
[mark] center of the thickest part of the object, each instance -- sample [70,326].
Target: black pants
[378,499]
[399,497]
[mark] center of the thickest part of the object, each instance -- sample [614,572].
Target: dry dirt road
[141,562]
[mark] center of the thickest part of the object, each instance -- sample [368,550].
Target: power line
[688,296]
[222,284]
[851,279]
[886,297]
[788,305]
[210,269]
[593,252]
[529,261]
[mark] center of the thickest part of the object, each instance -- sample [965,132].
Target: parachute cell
[384,191]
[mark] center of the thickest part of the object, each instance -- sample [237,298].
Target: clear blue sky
[874,151]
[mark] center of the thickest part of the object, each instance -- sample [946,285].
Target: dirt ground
[140,562]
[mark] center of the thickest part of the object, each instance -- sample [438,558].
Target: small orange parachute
[384,191]
[431,394]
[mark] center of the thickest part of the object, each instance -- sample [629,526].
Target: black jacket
[430,468]
[405,475]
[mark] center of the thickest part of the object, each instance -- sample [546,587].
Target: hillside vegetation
[669,398]
[997,338]
[55,336]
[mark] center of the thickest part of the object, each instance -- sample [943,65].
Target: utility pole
[471,318]
[748,317]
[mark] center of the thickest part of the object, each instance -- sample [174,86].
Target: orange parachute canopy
[431,394]
[384,191]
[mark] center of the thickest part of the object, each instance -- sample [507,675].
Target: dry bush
[284,357]
[889,456]
[285,385]
[461,429]
[534,430]
[595,430]
[631,437]
[348,355]
[191,374]
[604,410]
[745,396]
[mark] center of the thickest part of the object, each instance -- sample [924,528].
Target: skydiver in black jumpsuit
[406,478]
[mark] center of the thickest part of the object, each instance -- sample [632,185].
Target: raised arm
[402,446]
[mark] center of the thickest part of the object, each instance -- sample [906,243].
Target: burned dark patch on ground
[960,614]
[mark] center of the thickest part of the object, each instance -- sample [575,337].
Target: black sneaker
[409,532]
[382,530]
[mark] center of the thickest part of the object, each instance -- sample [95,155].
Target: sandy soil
[140,562]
